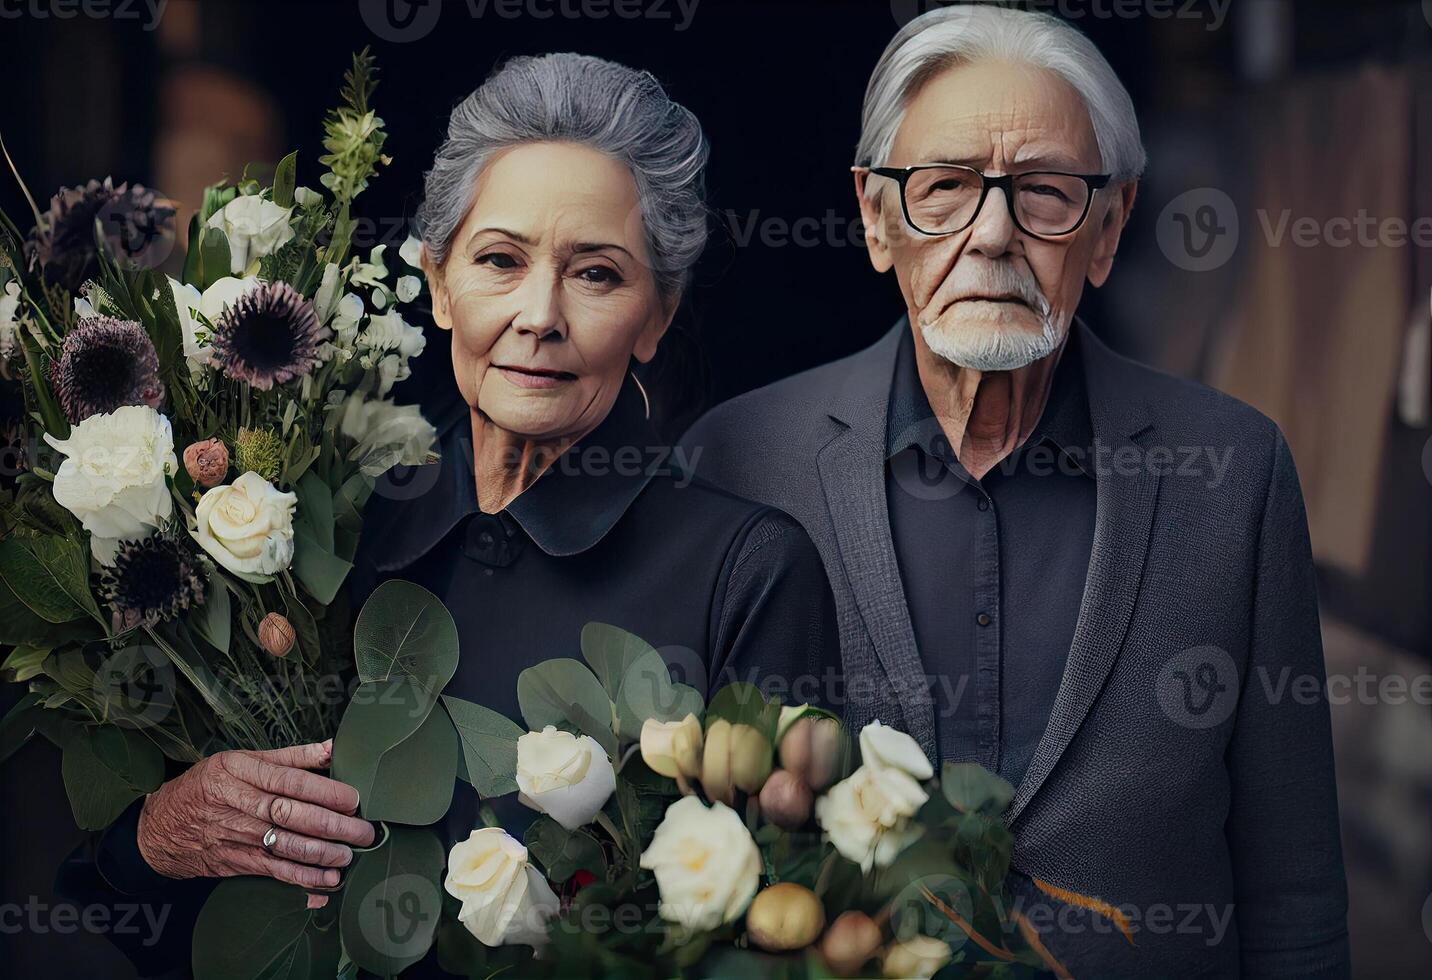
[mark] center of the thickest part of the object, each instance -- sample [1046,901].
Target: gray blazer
[1186,775]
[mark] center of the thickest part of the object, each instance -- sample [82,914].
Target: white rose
[9,322]
[707,866]
[505,901]
[883,747]
[212,303]
[246,526]
[916,958]
[673,748]
[113,475]
[386,434]
[255,228]
[567,777]
[867,816]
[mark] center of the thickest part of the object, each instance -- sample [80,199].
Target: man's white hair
[960,34]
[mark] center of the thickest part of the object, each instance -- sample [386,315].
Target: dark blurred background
[1280,249]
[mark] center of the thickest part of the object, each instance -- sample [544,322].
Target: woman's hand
[211,821]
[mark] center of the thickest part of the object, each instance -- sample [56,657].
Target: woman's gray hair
[576,98]
[956,35]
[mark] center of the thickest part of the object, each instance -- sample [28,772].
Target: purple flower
[138,229]
[152,580]
[269,336]
[106,364]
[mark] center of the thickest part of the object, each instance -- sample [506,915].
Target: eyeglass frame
[1005,182]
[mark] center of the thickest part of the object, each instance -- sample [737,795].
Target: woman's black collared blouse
[614,532]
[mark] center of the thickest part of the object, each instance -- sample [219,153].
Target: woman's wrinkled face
[548,290]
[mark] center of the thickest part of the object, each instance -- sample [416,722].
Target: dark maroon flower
[151,580]
[137,225]
[106,364]
[270,335]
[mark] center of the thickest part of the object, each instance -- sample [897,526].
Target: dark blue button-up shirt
[993,569]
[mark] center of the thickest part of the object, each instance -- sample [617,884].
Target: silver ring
[270,838]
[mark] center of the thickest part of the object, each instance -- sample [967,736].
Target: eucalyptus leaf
[489,745]
[611,651]
[561,852]
[381,715]
[258,927]
[744,704]
[971,788]
[414,780]
[564,691]
[321,572]
[647,691]
[315,507]
[212,619]
[105,769]
[392,902]
[404,630]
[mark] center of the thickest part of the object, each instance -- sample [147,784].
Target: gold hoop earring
[644,400]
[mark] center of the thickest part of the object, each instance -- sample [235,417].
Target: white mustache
[985,280]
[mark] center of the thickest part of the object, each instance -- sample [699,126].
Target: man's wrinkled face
[992,297]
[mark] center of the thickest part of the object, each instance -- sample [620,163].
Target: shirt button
[983,504]
[982,619]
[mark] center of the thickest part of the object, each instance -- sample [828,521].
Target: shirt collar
[1064,423]
[570,507]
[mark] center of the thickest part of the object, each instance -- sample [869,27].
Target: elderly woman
[562,217]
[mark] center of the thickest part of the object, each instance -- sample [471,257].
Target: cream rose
[916,958]
[672,748]
[255,228]
[505,901]
[867,816]
[707,866]
[212,302]
[113,475]
[246,526]
[566,777]
[883,747]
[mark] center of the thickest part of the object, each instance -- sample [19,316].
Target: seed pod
[276,634]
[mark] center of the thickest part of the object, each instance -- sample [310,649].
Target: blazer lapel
[852,473]
[1126,494]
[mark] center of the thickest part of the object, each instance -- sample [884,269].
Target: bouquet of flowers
[199,452]
[674,837]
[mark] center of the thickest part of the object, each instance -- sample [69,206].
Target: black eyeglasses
[941,199]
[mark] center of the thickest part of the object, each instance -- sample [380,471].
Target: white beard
[996,349]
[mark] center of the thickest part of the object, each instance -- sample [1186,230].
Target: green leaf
[611,651]
[315,508]
[971,788]
[404,630]
[415,778]
[211,620]
[321,572]
[744,704]
[261,928]
[19,724]
[284,180]
[561,692]
[647,691]
[305,628]
[489,745]
[50,575]
[381,715]
[208,258]
[392,902]
[561,852]
[23,663]
[107,768]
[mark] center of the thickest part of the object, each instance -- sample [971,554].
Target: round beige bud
[786,800]
[276,634]
[852,940]
[784,917]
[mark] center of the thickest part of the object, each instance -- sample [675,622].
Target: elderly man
[1090,577]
